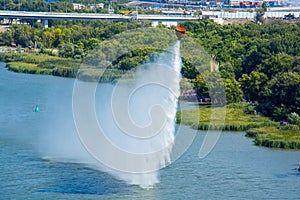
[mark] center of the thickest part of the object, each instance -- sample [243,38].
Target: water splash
[126,129]
[138,118]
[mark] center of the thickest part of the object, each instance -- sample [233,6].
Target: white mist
[126,129]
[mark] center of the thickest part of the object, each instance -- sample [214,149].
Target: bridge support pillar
[45,23]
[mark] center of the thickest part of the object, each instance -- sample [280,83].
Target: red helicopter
[180,32]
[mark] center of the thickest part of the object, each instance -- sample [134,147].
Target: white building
[255,2]
[77,6]
[94,6]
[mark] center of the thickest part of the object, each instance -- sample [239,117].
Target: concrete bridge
[164,19]
[45,16]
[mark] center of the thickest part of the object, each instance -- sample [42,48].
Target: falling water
[139,119]
[128,127]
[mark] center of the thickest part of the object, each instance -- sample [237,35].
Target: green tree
[264,6]
[128,63]
[259,17]
[33,5]
[48,37]
[188,70]
[233,91]
[58,36]
[66,50]
[200,87]
[79,50]
[23,35]
[256,52]
[276,63]
[227,71]
[92,43]
[254,86]
[6,38]
[285,91]
[296,64]
[8,5]
[211,85]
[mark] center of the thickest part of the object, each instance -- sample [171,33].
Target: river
[235,169]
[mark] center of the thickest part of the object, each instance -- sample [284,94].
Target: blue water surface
[235,169]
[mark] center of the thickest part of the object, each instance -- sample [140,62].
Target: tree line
[73,38]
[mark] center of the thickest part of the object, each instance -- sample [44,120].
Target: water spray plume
[126,125]
[132,132]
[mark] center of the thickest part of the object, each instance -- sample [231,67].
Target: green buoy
[36,108]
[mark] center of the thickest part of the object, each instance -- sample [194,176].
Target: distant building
[94,6]
[77,6]
[255,3]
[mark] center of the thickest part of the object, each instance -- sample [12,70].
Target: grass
[275,137]
[104,75]
[34,63]
[32,57]
[265,132]
[28,68]
[221,118]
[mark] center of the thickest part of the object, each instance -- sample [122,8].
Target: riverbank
[276,137]
[36,63]
[263,130]
[235,120]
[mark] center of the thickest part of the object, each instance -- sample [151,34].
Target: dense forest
[263,61]
[72,38]
[258,63]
